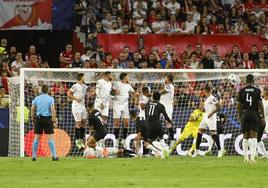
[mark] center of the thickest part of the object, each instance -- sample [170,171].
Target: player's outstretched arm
[163,111]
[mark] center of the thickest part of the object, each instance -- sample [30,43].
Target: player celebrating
[77,94]
[212,106]
[167,99]
[250,111]
[99,128]
[191,128]
[153,110]
[141,121]
[121,90]
[103,91]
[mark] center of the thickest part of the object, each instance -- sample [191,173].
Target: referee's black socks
[198,140]
[216,139]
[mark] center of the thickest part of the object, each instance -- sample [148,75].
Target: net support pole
[21,113]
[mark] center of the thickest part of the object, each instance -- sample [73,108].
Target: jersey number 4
[249,99]
[151,110]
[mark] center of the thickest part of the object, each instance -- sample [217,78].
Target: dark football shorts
[100,133]
[154,130]
[43,125]
[250,121]
[220,129]
[141,127]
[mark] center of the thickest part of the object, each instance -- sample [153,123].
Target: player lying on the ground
[212,106]
[140,120]
[99,128]
[108,153]
[251,114]
[221,119]
[191,128]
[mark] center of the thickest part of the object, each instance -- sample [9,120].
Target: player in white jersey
[77,94]
[212,106]
[122,91]
[167,99]
[140,120]
[264,128]
[103,92]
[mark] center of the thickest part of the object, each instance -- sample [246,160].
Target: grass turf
[200,172]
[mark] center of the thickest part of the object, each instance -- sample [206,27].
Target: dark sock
[198,140]
[125,132]
[82,133]
[77,133]
[145,151]
[116,133]
[217,141]
[171,133]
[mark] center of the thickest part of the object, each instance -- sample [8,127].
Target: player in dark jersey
[251,114]
[99,127]
[153,110]
[221,119]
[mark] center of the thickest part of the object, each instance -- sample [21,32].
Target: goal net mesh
[188,91]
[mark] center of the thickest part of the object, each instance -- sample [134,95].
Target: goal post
[188,89]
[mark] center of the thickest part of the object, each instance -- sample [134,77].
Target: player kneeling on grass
[99,127]
[212,106]
[191,128]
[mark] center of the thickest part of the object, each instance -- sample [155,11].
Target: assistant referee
[43,116]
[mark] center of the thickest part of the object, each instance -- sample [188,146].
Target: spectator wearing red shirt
[247,63]
[264,5]
[108,59]
[33,61]
[66,57]
[32,51]
[250,5]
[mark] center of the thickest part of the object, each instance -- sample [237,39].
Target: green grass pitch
[200,172]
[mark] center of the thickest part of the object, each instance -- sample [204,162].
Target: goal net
[188,91]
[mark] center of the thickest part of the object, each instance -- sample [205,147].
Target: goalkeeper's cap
[249,79]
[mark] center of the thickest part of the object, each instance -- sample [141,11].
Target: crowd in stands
[172,16]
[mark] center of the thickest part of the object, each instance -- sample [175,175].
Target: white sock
[152,148]
[222,141]
[262,147]
[245,147]
[253,147]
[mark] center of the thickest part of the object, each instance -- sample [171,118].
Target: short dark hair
[249,79]
[44,89]
[156,96]
[107,73]
[207,88]
[122,75]
[79,76]
[145,90]
[90,105]
[170,77]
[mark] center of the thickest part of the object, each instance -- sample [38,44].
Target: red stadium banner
[114,43]
[26,14]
